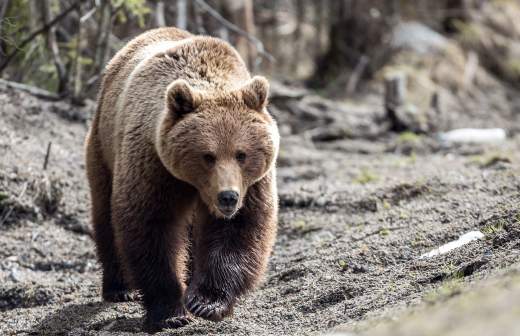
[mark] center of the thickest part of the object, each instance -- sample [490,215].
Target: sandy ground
[356,215]
[489,307]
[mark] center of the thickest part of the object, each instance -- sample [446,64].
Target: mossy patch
[366,176]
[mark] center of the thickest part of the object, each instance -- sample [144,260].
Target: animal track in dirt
[289,275]
[344,202]
[332,202]
[76,266]
[25,297]
[372,203]
[330,299]
[405,192]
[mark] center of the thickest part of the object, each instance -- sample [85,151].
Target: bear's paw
[206,308]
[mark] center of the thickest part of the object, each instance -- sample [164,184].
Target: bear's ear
[181,98]
[255,93]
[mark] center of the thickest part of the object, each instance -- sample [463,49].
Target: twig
[234,28]
[88,14]
[37,32]
[47,155]
[92,80]
[11,208]
[37,92]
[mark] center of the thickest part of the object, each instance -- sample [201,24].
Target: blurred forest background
[62,46]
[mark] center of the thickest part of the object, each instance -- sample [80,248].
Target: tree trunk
[3,10]
[358,29]
[198,18]
[105,26]
[240,13]
[45,6]
[298,35]
[78,83]
[182,14]
[160,20]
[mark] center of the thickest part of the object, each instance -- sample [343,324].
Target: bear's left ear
[255,93]
[181,98]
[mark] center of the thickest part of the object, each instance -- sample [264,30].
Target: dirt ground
[356,215]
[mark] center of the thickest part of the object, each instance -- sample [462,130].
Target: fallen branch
[37,32]
[234,28]
[37,92]
[47,155]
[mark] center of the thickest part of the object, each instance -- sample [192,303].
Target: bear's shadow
[77,316]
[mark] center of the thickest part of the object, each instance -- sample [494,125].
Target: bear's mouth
[227,212]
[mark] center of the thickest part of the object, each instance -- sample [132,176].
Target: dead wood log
[37,92]
[395,96]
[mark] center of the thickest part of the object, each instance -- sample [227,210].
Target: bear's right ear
[181,98]
[255,93]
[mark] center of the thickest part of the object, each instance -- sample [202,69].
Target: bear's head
[221,143]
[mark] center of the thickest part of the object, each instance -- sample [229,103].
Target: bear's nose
[227,198]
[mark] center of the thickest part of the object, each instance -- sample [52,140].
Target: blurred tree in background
[63,45]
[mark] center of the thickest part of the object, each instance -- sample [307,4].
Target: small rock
[15,275]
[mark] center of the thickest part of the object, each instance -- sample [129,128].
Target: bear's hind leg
[114,288]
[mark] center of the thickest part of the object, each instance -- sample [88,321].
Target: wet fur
[141,209]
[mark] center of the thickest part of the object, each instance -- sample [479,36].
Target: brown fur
[179,120]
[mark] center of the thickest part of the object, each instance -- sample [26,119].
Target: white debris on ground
[473,135]
[463,240]
[418,37]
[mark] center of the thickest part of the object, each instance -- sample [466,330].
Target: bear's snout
[227,201]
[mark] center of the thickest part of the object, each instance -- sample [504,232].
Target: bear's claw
[178,321]
[121,296]
[169,323]
[207,309]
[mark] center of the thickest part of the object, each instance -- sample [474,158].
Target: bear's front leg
[230,255]
[150,234]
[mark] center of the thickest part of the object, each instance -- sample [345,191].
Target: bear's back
[114,79]
[133,87]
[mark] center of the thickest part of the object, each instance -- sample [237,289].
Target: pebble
[16,275]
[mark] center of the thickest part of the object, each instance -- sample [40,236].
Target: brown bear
[180,160]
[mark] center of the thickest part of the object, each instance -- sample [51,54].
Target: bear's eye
[240,156]
[209,158]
